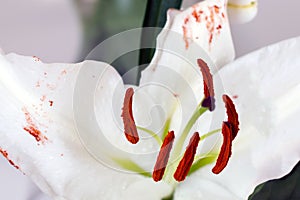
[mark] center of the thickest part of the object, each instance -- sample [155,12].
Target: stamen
[187,159]
[232,115]
[163,157]
[225,152]
[209,94]
[130,129]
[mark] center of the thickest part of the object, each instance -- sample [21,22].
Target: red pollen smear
[225,152]
[130,129]
[209,93]
[163,157]
[188,158]
[5,154]
[233,118]
[32,129]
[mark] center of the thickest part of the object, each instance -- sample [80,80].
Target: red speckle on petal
[225,152]
[212,18]
[235,96]
[38,84]
[128,120]
[188,158]
[5,154]
[185,36]
[186,20]
[43,98]
[163,157]
[217,9]
[36,58]
[51,86]
[196,15]
[64,72]
[32,129]
[51,103]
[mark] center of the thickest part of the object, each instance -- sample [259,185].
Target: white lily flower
[41,130]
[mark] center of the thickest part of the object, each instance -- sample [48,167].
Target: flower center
[189,162]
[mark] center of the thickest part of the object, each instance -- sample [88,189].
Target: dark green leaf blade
[285,188]
[155,16]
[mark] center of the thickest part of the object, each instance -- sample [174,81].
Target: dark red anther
[209,93]
[233,118]
[130,129]
[225,152]
[163,157]
[188,158]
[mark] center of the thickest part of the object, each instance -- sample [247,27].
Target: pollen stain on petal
[32,129]
[188,158]
[225,152]
[209,93]
[163,157]
[5,154]
[130,129]
[233,118]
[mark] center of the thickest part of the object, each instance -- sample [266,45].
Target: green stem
[154,135]
[131,166]
[166,128]
[201,161]
[198,112]
[171,197]
[210,133]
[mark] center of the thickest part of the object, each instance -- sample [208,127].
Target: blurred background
[66,30]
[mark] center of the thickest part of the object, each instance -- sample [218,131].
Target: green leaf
[155,16]
[287,187]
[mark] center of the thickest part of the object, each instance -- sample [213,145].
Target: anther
[232,115]
[187,159]
[163,157]
[130,129]
[209,94]
[225,152]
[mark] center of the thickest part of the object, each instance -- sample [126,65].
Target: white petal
[60,165]
[180,44]
[265,85]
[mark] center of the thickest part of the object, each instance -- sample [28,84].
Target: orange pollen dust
[5,154]
[163,157]
[32,129]
[130,129]
[209,94]
[188,158]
